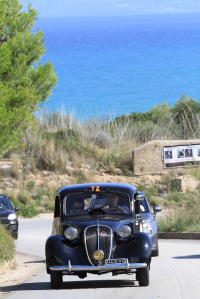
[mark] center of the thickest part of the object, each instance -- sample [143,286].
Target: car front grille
[4,221]
[98,237]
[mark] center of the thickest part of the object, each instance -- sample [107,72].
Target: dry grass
[62,144]
[7,265]
[60,141]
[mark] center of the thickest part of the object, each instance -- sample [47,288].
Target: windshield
[5,205]
[144,207]
[83,203]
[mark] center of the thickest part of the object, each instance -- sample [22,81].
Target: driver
[112,204]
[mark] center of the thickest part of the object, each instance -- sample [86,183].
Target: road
[175,274]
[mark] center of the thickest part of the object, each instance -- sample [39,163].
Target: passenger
[112,204]
[78,206]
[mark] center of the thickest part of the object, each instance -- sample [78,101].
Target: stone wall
[147,159]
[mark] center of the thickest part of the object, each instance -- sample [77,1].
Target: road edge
[179,235]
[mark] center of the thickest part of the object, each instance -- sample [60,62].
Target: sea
[109,66]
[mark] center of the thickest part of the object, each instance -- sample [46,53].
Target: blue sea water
[118,65]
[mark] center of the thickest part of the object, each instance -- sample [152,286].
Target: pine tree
[24,81]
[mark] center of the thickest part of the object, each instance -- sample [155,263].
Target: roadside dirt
[26,266]
[20,269]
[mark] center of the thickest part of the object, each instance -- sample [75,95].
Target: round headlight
[124,231]
[12,217]
[71,233]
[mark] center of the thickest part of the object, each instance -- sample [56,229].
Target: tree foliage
[24,81]
[181,121]
[185,108]
[161,113]
[186,114]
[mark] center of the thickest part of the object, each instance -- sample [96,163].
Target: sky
[60,8]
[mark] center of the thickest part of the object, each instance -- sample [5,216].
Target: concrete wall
[147,159]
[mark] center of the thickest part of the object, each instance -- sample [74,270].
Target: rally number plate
[115,261]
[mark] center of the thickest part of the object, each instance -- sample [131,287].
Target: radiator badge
[103,234]
[98,255]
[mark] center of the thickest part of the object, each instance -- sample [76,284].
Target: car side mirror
[16,209]
[156,209]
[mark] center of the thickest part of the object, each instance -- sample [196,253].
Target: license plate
[115,261]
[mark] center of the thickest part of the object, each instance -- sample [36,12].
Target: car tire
[56,279]
[15,236]
[47,269]
[155,252]
[142,276]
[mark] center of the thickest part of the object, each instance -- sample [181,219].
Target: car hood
[82,225]
[91,218]
[147,217]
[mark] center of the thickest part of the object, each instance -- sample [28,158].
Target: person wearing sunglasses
[78,206]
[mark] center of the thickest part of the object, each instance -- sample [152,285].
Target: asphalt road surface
[175,274]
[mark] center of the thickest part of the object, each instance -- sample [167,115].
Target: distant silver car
[148,222]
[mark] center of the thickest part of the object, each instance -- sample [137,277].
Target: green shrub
[176,197]
[28,212]
[7,248]
[178,223]
[30,186]
[185,218]
[24,197]
[150,194]
[39,194]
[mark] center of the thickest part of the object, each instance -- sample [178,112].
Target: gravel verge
[26,266]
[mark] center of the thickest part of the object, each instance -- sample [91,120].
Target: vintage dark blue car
[97,229]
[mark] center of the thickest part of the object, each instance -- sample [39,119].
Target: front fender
[59,252]
[137,250]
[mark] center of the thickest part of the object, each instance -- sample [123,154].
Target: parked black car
[97,229]
[148,223]
[8,217]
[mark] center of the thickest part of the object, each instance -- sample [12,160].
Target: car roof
[4,197]
[96,187]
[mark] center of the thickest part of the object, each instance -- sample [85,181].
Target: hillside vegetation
[60,150]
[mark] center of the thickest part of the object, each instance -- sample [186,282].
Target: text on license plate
[115,261]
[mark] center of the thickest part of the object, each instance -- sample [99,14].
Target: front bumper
[95,269]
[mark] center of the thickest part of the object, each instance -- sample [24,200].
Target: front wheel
[155,252]
[15,236]
[142,276]
[56,279]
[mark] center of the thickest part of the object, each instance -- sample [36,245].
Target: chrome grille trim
[98,227]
